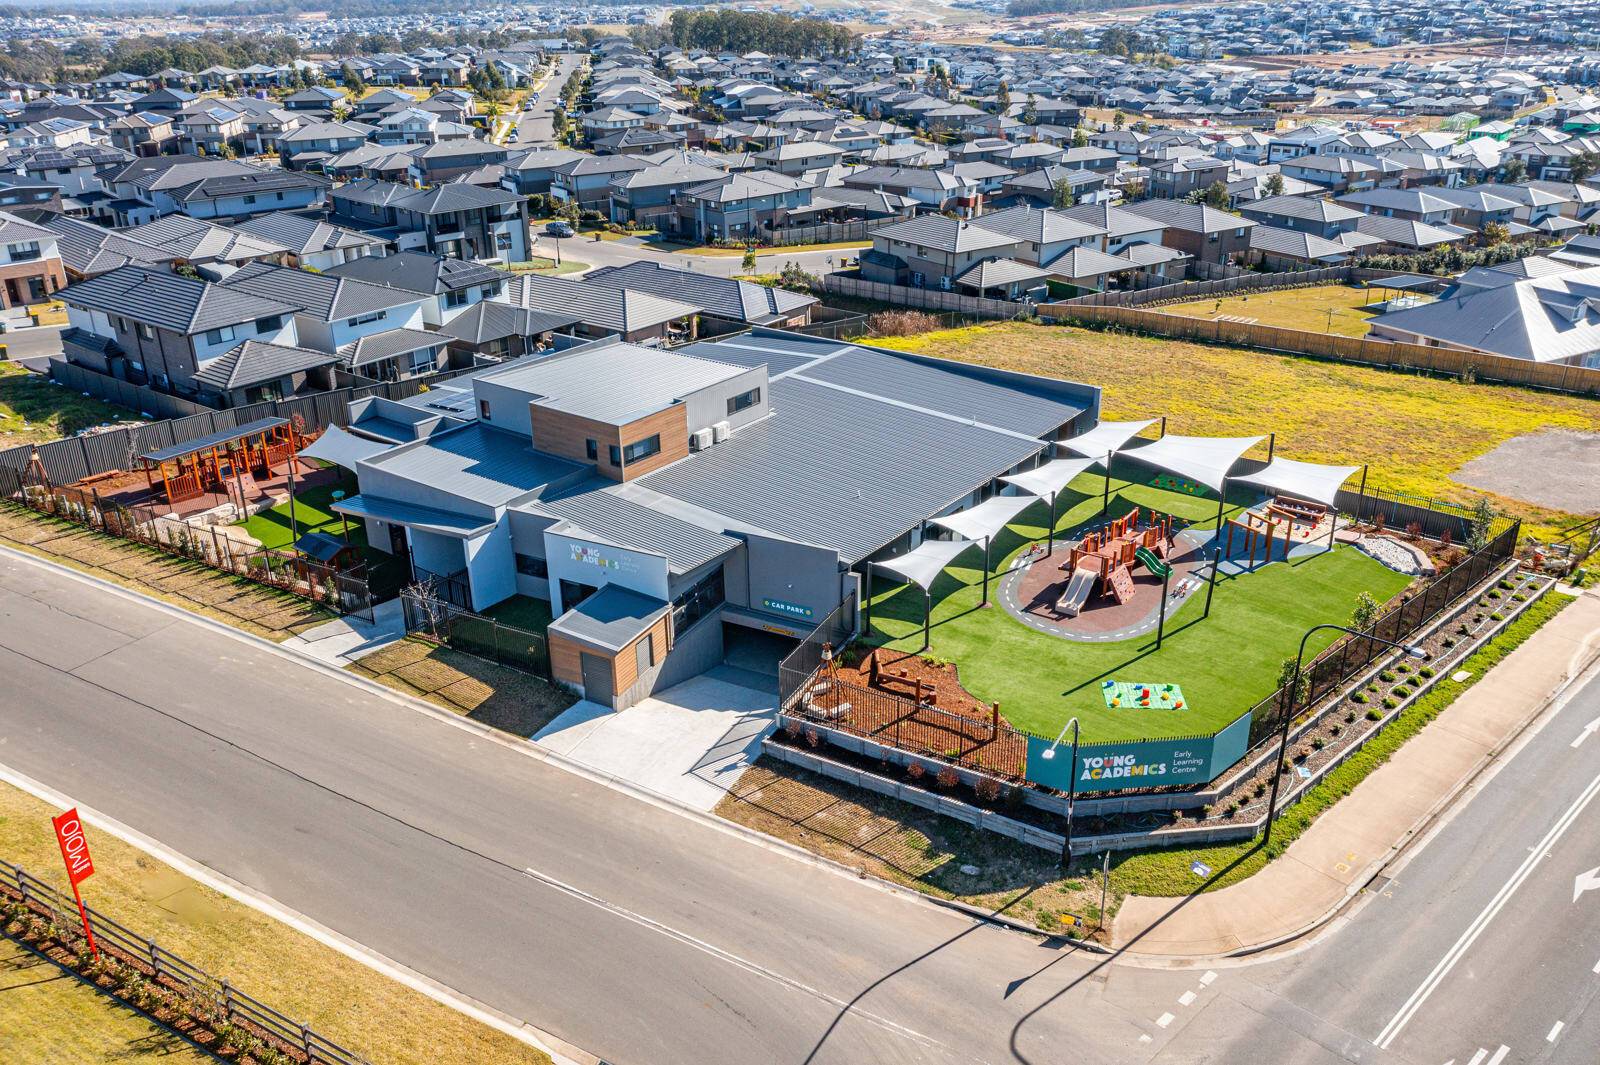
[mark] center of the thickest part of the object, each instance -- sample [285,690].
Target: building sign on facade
[1140,764]
[592,555]
[793,610]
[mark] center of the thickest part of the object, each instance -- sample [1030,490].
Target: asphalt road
[648,937]
[584,248]
[533,124]
[33,346]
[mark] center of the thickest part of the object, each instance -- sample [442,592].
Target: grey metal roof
[168,301]
[841,470]
[945,234]
[595,507]
[254,361]
[302,235]
[477,462]
[611,618]
[748,355]
[725,297]
[611,382]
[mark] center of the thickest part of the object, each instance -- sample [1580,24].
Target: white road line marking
[1205,981]
[1585,882]
[1186,998]
[1164,1020]
[1482,921]
[1588,730]
[1144,1037]
[1555,1031]
[732,959]
[1500,1055]
[1596,969]
[1479,1056]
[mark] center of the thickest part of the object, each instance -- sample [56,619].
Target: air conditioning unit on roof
[700,439]
[720,431]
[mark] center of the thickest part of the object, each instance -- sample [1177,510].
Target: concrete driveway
[689,742]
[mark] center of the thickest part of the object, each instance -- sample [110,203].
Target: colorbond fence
[1228,284]
[930,299]
[215,998]
[76,457]
[1359,350]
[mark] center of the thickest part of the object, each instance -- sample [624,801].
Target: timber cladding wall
[1500,368]
[568,435]
[566,662]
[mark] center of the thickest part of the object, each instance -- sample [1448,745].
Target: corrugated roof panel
[479,463]
[611,517]
[945,391]
[840,470]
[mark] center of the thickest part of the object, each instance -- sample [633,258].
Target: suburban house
[737,205]
[199,243]
[727,298]
[460,220]
[490,331]
[30,262]
[931,251]
[331,312]
[452,285]
[311,243]
[605,310]
[155,327]
[1205,233]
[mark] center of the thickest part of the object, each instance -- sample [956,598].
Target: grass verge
[1414,430]
[50,1018]
[254,608]
[343,999]
[464,684]
[34,411]
[914,847]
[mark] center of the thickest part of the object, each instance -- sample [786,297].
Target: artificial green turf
[312,513]
[1226,663]
[522,612]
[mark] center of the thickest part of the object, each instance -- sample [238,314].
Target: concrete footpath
[1345,847]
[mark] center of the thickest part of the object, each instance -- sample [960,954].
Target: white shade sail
[1204,459]
[1307,480]
[1050,478]
[923,563]
[985,519]
[342,448]
[1105,437]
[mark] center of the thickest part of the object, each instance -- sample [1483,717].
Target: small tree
[1061,194]
[1213,195]
[1513,170]
[1274,185]
[1080,138]
[1301,683]
[1583,164]
[1118,120]
[1495,233]
[1482,516]
[748,263]
[1365,612]
[1002,98]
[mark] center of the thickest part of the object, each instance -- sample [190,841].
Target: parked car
[557,229]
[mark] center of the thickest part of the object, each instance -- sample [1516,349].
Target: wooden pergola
[205,464]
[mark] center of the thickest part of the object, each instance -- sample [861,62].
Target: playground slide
[1077,592]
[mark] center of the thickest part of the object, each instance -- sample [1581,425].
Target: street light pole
[1072,785]
[1294,690]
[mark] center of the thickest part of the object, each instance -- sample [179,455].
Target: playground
[1119,588]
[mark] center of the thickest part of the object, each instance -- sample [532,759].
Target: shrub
[1259,789]
[1497,616]
[1403,667]
[1387,676]
[1233,808]
[915,771]
[1334,730]
[1426,671]
[1359,697]
[1046,921]
[902,323]
[1390,702]
[1350,715]
[813,738]
[948,777]
[1015,799]
[1205,812]
[1319,743]
[1373,715]
[988,789]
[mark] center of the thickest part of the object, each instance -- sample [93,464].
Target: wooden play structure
[210,463]
[1106,558]
[1282,520]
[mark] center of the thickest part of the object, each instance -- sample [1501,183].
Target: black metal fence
[218,1000]
[342,590]
[462,630]
[835,630]
[1351,654]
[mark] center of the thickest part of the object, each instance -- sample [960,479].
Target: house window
[639,449]
[217,336]
[423,361]
[645,652]
[593,450]
[249,199]
[21,253]
[529,566]
[146,331]
[364,319]
[269,324]
[744,401]
[483,410]
[456,298]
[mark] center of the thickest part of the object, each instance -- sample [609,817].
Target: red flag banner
[74,848]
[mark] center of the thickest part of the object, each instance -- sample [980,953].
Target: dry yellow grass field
[1413,430]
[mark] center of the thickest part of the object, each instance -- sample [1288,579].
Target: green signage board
[1139,764]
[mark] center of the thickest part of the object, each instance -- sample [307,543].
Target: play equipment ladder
[1121,584]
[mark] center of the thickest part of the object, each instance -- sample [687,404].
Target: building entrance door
[597,678]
